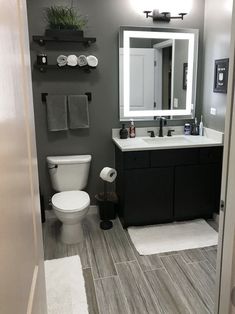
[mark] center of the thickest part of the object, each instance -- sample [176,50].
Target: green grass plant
[59,17]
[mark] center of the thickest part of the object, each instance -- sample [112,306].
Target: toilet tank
[69,173]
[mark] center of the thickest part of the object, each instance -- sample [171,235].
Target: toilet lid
[70,201]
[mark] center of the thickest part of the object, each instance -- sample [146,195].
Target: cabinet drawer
[135,160]
[211,155]
[174,157]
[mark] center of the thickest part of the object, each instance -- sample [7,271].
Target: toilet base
[71,234]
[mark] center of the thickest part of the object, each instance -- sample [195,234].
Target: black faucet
[161,124]
[151,133]
[169,132]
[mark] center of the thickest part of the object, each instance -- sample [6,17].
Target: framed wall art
[221,76]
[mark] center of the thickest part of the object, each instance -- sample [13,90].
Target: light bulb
[172,6]
[139,6]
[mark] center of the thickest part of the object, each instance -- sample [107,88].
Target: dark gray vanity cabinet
[168,185]
[195,188]
[144,202]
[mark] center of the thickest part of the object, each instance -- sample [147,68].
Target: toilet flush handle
[53,167]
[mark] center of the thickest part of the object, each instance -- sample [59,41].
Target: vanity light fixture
[163,16]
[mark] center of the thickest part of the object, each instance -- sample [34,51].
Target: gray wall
[218,16]
[166,69]
[105,18]
[181,57]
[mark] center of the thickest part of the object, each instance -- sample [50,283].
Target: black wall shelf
[44,68]
[41,40]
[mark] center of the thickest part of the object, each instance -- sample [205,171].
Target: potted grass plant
[64,22]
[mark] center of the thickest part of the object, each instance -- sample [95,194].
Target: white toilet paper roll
[108,174]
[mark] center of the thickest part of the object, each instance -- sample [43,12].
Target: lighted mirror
[157,72]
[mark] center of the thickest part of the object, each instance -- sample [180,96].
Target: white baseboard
[93,210]
[49,213]
[216,218]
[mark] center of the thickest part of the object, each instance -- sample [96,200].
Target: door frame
[226,250]
[158,53]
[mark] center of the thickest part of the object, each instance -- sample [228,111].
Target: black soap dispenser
[123,132]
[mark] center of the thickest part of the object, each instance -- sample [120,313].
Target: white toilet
[69,175]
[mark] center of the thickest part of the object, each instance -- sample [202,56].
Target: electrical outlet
[176,102]
[213,111]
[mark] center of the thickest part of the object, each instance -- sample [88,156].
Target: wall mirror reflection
[157,72]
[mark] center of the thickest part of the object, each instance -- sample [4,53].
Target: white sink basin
[177,140]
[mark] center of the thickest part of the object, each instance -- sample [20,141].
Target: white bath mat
[176,236]
[65,286]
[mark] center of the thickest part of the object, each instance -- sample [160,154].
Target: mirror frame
[126,33]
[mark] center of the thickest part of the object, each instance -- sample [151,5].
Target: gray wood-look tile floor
[118,280]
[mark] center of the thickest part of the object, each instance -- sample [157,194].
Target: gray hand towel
[57,112]
[78,112]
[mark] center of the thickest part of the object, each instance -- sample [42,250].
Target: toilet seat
[70,201]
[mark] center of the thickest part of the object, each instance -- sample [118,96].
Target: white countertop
[139,143]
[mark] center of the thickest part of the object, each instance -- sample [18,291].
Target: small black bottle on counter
[123,132]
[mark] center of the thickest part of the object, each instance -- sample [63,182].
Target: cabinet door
[148,196]
[195,191]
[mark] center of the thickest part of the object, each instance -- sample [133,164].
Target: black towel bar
[44,95]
